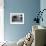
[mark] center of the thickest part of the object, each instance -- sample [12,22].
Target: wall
[43,6]
[29,8]
[1,20]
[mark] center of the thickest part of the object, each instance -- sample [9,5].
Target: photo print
[16,18]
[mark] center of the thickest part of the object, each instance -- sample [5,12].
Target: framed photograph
[16,18]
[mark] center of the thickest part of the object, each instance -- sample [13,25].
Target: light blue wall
[43,6]
[29,8]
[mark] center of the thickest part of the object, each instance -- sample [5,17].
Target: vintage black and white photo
[16,18]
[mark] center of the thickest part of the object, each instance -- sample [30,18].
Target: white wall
[1,21]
